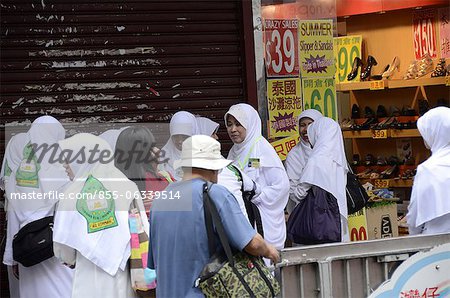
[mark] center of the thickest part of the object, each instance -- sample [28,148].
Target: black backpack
[357,196]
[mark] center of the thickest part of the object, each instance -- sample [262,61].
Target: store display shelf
[417,82]
[393,84]
[385,183]
[391,133]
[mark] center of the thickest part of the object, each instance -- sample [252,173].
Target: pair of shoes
[381,111]
[368,112]
[367,70]
[365,125]
[365,73]
[388,173]
[440,70]
[378,77]
[407,111]
[370,160]
[394,65]
[355,160]
[411,73]
[386,123]
[424,66]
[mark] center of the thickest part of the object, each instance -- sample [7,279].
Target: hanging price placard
[424,23]
[281,49]
[346,48]
[320,94]
[444,32]
[284,104]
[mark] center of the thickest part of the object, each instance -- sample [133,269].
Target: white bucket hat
[202,152]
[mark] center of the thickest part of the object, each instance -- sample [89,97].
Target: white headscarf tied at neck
[181,123]
[254,144]
[206,126]
[297,157]
[327,165]
[107,248]
[430,194]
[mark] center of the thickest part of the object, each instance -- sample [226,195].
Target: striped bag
[143,279]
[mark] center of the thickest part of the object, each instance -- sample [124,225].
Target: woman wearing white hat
[298,156]
[254,156]
[429,207]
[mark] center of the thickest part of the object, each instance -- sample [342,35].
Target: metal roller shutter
[122,61]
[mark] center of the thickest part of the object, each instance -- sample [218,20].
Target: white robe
[266,170]
[429,207]
[49,278]
[327,166]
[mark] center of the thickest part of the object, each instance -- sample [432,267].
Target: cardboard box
[373,223]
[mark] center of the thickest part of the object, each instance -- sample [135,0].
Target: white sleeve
[12,227]
[298,191]
[277,185]
[65,254]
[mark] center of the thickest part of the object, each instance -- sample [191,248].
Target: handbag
[228,275]
[316,219]
[33,243]
[357,196]
[143,279]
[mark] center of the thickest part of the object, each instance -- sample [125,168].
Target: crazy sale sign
[281,48]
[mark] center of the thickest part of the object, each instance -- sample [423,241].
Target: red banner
[281,48]
[424,26]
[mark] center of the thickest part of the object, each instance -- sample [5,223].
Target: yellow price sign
[381,183]
[447,81]
[377,85]
[380,134]
[346,48]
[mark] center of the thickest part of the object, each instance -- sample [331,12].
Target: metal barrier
[352,269]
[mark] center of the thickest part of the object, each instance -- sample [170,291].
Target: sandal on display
[370,63]
[424,66]
[440,70]
[357,63]
[411,73]
[394,65]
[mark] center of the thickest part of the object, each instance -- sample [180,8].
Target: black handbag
[228,274]
[316,219]
[357,196]
[33,243]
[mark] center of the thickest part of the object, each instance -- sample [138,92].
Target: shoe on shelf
[370,63]
[368,112]
[424,66]
[394,65]
[370,160]
[356,160]
[378,77]
[411,73]
[394,111]
[440,70]
[357,63]
[381,111]
[356,113]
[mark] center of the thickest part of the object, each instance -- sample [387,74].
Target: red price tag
[281,47]
[424,26]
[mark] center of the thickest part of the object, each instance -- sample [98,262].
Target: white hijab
[327,165]
[298,156]
[181,123]
[430,196]
[44,131]
[206,126]
[111,137]
[107,248]
[254,144]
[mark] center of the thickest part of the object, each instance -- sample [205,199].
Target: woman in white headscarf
[326,167]
[111,136]
[298,156]
[31,175]
[91,231]
[429,207]
[254,156]
[182,126]
[231,177]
